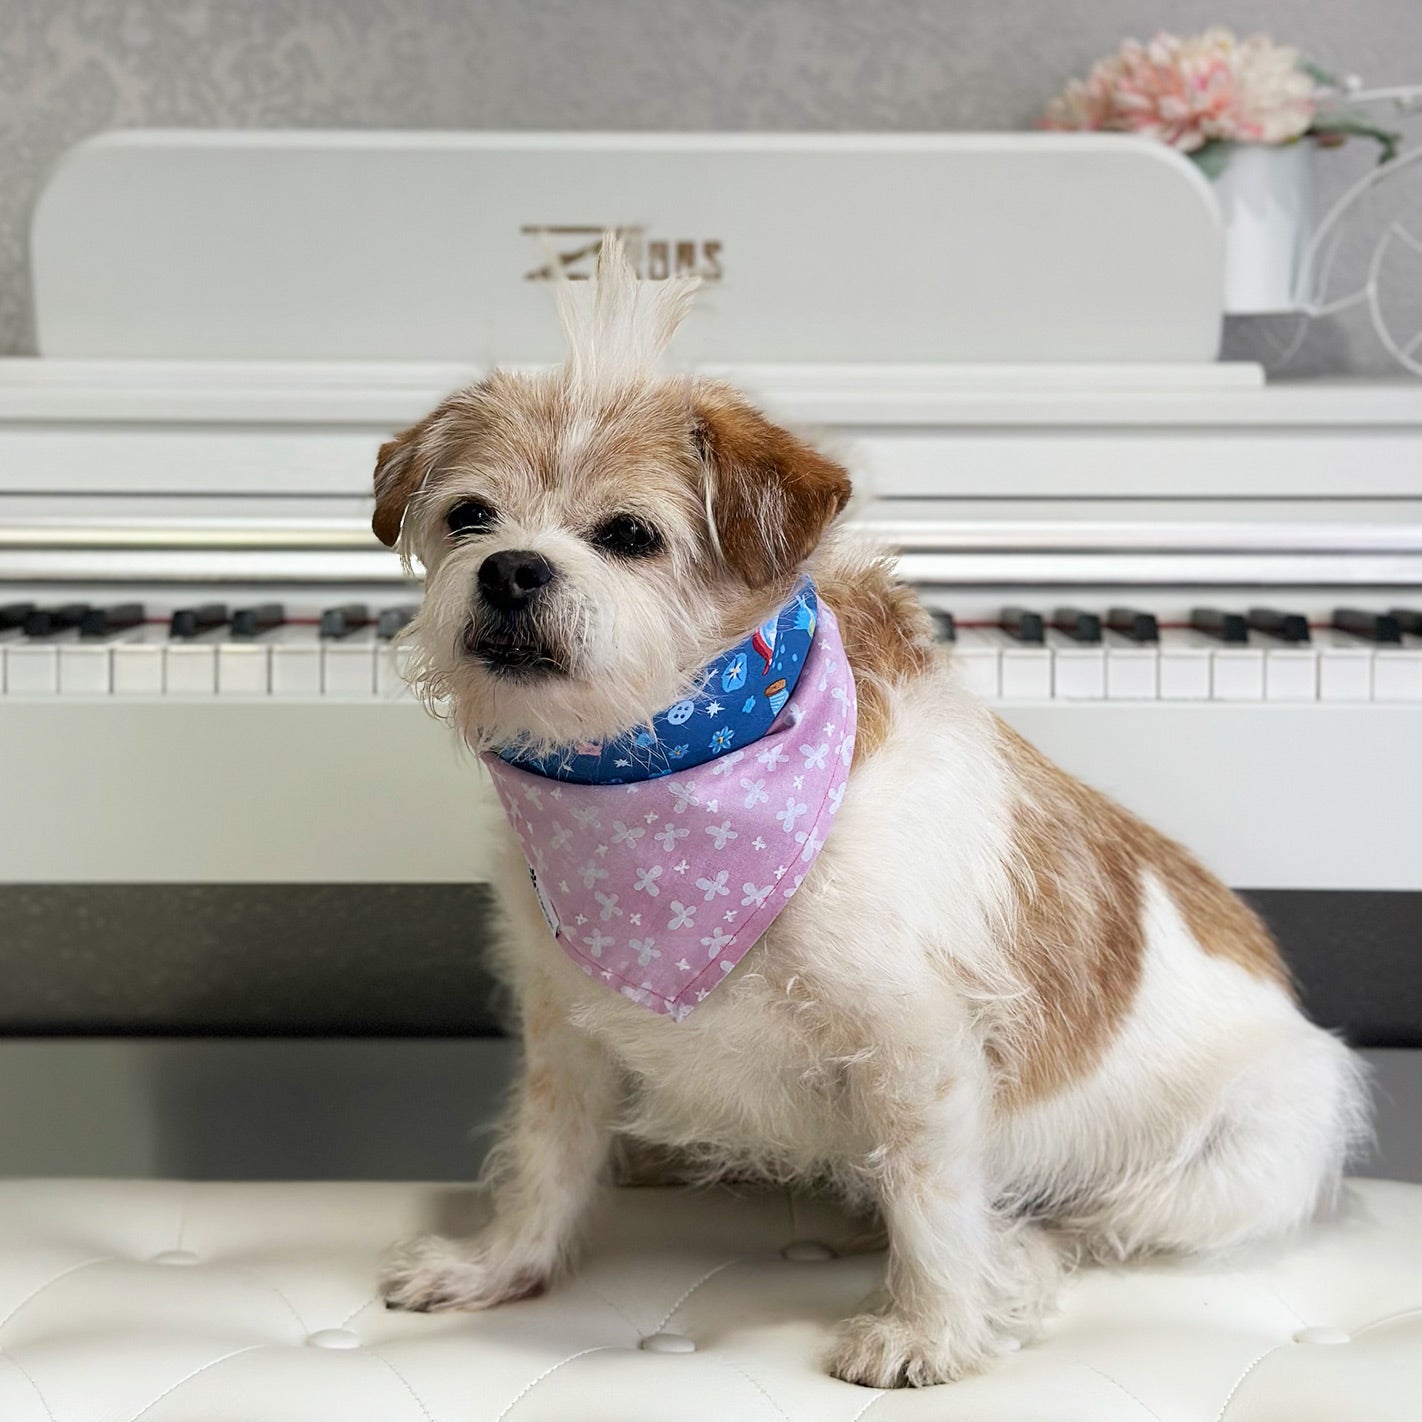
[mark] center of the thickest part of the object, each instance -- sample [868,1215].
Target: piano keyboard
[345,653]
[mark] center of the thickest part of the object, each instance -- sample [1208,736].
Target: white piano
[1010,339]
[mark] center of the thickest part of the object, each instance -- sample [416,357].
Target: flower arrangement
[1204,92]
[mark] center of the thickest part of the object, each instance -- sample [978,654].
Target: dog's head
[593,535]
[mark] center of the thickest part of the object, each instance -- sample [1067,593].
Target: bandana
[659,878]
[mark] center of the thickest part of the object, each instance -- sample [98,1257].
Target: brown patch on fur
[772,495]
[399,472]
[1077,940]
[888,639]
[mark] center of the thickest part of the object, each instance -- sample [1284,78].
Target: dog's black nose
[508,580]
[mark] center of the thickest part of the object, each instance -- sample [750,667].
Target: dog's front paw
[431,1274]
[888,1350]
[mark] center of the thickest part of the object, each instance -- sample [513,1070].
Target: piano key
[1078,668]
[1132,666]
[1236,673]
[1132,623]
[348,665]
[1023,625]
[390,662]
[136,662]
[52,621]
[1290,671]
[295,662]
[393,620]
[13,615]
[1376,627]
[102,622]
[1184,666]
[1078,625]
[1397,671]
[1345,667]
[244,665]
[1407,618]
[254,621]
[976,657]
[1225,626]
[32,667]
[944,628]
[1024,668]
[345,620]
[189,622]
[1286,626]
[190,665]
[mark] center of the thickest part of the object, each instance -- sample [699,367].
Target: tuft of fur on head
[736,504]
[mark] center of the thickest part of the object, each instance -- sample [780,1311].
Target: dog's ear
[400,469]
[771,495]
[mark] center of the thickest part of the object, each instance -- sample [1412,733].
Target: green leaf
[1354,125]
[1212,157]
[1322,77]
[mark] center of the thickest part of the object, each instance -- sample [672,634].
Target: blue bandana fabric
[741,693]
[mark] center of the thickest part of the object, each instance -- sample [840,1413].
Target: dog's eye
[469,516]
[628,536]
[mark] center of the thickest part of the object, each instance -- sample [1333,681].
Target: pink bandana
[659,888]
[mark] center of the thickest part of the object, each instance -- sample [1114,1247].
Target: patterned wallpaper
[73,67]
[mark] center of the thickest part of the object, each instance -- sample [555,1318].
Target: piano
[1200,591]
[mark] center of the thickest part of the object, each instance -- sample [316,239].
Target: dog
[1016,1023]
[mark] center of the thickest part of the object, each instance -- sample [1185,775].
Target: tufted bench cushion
[151,1301]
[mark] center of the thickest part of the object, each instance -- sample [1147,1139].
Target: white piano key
[1184,666]
[1397,672]
[976,656]
[86,668]
[1237,674]
[136,663]
[1345,667]
[1290,673]
[348,665]
[295,662]
[32,668]
[244,667]
[1078,668]
[1132,669]
[390,660]
[191,667]
[1025,669]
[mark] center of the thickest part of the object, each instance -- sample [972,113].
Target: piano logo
[573,252]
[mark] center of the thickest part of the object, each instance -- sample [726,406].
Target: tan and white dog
[1003,1013]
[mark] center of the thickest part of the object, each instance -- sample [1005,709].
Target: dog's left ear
[400,469]
[772,496]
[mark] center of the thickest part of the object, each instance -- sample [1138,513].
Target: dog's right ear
[400,469]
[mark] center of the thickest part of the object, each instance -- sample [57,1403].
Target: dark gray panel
[409,959]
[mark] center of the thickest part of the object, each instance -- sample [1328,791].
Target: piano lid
[824,249]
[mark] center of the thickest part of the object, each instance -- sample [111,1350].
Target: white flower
[721,833]
[533,795]
[682,915]
[755,793]
[724,765]
[589,819]
[647,881]
[560,836]
[716,941]
[644,950]
[814,756]
[622,834]
[715,886]
[813,844]
[596,941]
[685,794]
[836,799]
[590,873]
[755,896]
[668,837]
[609,906]
[792,812]
[772,756]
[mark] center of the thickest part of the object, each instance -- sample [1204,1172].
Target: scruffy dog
[1015,1021]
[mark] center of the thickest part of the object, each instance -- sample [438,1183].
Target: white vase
[1265,194]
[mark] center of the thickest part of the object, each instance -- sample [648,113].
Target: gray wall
[72,67]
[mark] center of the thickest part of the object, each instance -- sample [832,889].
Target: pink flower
[1189,92]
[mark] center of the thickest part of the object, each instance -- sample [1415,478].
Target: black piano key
[1379,627]
[393,620]
[1227,626]
[194,621]
[342,621]
[1023,624]
[1132,623]
[13,615]
[1286,626]
[105,621]
[253,621]
[943,626]
[1078,625]
[1407,618]
[47,621]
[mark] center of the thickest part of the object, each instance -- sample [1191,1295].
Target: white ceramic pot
[1266,199]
